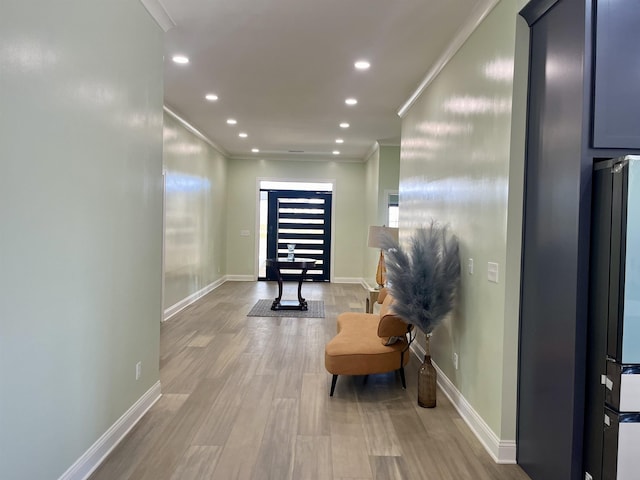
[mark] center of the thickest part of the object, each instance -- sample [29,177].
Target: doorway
[296,213]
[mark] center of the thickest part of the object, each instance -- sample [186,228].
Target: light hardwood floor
[248,398]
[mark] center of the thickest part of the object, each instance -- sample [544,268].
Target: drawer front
[622,391]
[620,459]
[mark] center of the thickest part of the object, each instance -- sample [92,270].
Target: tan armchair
[368,343]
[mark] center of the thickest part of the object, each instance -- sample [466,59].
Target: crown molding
[196,132]
[373,149]
[283,157]
[461,37]
[159,13]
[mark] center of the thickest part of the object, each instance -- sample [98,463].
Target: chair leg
[333,384]
[404,382]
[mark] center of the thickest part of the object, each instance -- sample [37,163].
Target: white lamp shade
[377,233]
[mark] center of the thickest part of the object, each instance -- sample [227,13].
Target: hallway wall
[195,213]
[462,164]
[348,198]
[382,169]
[81,209]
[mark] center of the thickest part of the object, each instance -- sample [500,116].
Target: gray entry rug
[263,309]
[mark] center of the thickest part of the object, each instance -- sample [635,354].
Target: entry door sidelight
[302,218]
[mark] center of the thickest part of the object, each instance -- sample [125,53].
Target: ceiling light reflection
[443,129]
[362,65]
[28,56]
[180,59]
[500,69]
[469,105]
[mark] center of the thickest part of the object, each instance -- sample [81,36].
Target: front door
[302,218]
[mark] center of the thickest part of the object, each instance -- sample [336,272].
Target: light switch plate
[493,272]
[470,266]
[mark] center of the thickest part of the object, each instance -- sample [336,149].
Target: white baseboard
[240,278]
[502,451]
[92,458]
[185,302]
[367,286]
[347,280]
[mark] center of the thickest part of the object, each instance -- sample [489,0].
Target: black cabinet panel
[598,314]
[616,120]
[553,301]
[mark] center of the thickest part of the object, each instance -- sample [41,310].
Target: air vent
[296,151]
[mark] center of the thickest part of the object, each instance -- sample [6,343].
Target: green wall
[348,197]
[461,164]
[372,196]
[195,213]
[382,170]
[81,207]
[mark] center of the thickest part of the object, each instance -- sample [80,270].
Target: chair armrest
[392,326]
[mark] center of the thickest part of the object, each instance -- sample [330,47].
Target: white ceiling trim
[463,35]
[196,132]
[297,158]
[159,14]
[374,148]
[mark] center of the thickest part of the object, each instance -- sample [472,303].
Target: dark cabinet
[616,108]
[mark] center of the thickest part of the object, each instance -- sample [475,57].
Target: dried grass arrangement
[424,277]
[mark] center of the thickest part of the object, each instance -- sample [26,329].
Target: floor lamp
[375,240]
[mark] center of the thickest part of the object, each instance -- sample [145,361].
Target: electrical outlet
[470,266]
[455,361]
[138,370]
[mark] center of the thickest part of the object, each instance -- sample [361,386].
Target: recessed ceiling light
[231,121]
[362,65]
[336,152]
[212,97]
[180,59]
[339,140]
[255,150]
[351,101]
[243,135]
[344,125]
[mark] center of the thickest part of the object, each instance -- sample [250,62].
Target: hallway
[247,398]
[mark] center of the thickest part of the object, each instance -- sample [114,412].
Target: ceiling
[283,69]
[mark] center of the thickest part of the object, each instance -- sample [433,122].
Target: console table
[302,264]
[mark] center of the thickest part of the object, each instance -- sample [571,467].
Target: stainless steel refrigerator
[612,423]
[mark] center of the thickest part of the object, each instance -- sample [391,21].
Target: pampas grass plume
[424,277]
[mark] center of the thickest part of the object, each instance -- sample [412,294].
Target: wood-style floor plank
[248,398]
[389,468]
[197,463]
[277,450]
[314,414]
[313,458]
